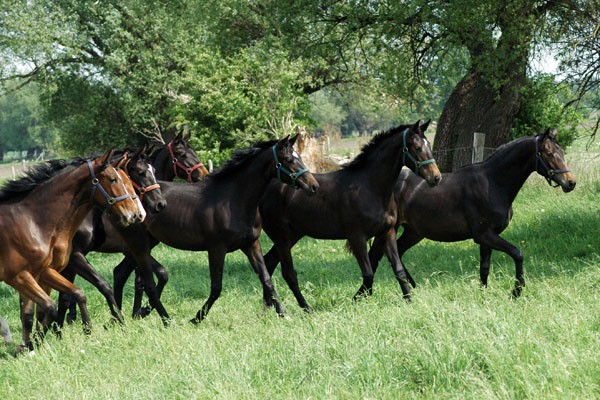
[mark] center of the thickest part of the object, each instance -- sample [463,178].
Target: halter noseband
[405,153]
[176,164]
[109,199]
[549,171]
[140,189]
[280,168]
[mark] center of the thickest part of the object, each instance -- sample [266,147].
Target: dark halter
[141,190]
[280,168]
[405,153]
[549,171]
[176,164]
[110,200]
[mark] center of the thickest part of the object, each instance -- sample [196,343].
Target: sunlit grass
[454,340]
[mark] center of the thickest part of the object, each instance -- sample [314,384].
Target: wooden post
[478,147]
[210,166]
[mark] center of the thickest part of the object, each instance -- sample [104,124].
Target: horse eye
[418,148]
[113,180]
[550,155]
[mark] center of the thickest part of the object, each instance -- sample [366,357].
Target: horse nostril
[314,187]
[160,205]
[437,179]
[571,184]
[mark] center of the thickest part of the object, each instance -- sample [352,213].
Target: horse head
[142,175]
[416,153]
[186,164]
[550,161]
[290,168]
[112,190]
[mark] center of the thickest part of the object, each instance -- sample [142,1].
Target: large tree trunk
[475,106]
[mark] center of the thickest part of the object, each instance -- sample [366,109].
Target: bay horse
[39,215]
[220,215]
[475,202]
[96,233]
[354,203]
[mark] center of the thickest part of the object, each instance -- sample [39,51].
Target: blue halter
[405,153]
[110,200]
[539,160]
[280,168]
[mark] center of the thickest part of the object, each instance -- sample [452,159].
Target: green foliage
[21,122]
[543,107]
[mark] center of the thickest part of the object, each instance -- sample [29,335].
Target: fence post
[478,147]
[210,166]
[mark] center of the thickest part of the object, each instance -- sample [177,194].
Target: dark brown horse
[96,233]
[218,215]
[354,203]
[39,215]
[475,202]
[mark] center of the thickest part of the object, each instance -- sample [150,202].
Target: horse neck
[163,164]
[382,169]
[510,169]
[66,198]
[250,183]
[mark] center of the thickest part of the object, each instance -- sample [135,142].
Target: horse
[5,331]
[35,245]
[96,233]
[354,203]
[220,215]
[475,202]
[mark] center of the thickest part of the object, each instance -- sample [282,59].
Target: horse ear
[121,162]
[140,151]
[425,126]
[554,133]
[416,125]
[150,150]
[187,137]
[293,140]
[178,137]
[107,156]
[546,133]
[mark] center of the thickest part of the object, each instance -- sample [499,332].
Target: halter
[176,164]
[140,189]
[549,171]
[280,168]
[405,153]
[110,200]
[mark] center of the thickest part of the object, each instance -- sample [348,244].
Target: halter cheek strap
[280,168]
[109,199]
[405,153]
[549,171]
[176,164]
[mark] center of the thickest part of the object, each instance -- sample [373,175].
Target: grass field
[454,340]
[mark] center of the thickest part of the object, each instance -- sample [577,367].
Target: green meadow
[455,340]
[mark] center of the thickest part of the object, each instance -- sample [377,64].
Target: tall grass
[454,340]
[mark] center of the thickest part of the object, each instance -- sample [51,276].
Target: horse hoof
[145,311]
[308,310]
[195,320]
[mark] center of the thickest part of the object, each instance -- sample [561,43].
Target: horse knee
[79,296]
[162,275]
[289,274]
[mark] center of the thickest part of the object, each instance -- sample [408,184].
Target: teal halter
[280,168]
[405,153]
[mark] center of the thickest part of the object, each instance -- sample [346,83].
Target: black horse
[166,162]
[218,215]
[354,203]
[475,202]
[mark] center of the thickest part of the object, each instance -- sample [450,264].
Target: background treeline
[80,76]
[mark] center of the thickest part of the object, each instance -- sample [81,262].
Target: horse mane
[500,152]
[370,147]
[35,176]
[241,158]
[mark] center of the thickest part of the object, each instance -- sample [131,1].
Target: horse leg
[143,260]
[289,274]
[162,277]
[391,251]
[216,259]
[271,262]
[53,279]
[495,242]
[65,300]
[255,256]
[485,254]
[408,239]
[120,275]
[31,292]
[359,249]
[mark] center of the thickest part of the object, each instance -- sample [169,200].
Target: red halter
[176,164]
[137,187]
